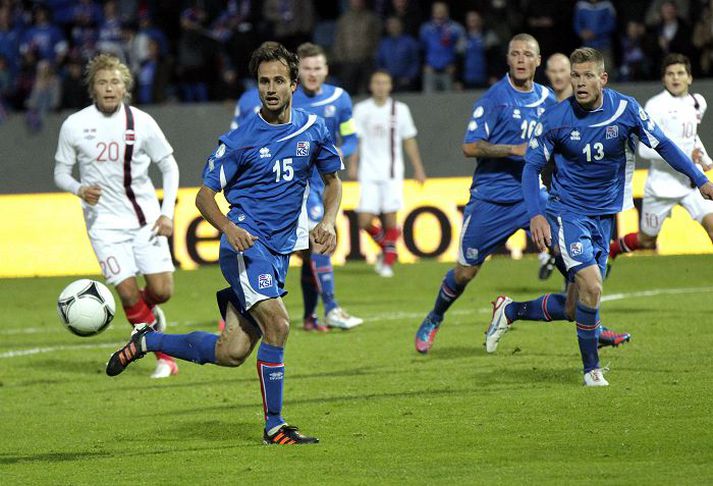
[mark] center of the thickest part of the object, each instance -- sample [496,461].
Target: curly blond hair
[110,62]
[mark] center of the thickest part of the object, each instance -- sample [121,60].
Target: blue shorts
[315,209]
[255,274]
[487,225]
[580,241]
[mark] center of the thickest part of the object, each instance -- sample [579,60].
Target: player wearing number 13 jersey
[114,144]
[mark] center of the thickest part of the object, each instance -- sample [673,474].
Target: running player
[114,144]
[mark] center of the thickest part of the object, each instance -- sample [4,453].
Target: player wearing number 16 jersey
[114,144]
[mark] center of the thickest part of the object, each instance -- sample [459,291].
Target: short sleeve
[327,157]
[406,125]
[221,168]
[66,154]
[482,120]
[644,126]
[156,145]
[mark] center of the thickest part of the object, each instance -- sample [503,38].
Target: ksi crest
[612,132]
[302,149]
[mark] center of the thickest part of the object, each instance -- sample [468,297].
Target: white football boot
[385,271]
[338,317]
[499,325]
[164,369]
[596,377]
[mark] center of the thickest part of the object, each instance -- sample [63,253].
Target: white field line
[390,316]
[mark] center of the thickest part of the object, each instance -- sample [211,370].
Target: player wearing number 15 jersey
[114,144]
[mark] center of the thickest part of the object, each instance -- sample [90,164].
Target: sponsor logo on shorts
[302,149]
[264,281]
[471,253]
[612,132]
[576,248]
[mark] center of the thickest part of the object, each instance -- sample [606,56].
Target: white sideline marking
[391,316]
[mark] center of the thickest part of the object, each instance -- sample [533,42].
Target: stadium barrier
[44,234]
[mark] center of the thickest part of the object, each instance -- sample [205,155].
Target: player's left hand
[699,157]
[707,190]
[163,226]
[541,233]
[324,238]
[420,176]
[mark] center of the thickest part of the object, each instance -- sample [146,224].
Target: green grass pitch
[384,414]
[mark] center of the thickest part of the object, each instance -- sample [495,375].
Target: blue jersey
[263,170]
[248,104]
[504,115]
[335,106]
[589,150]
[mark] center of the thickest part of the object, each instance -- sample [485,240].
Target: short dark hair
[274,53]
[587,54]
[381,71]
[675,58]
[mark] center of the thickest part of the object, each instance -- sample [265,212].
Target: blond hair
[109,62]
[587,54]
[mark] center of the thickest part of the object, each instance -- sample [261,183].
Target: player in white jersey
[678,112]
[114,144]
[385,129]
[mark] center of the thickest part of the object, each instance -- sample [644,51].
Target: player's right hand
[240,239]
[707,190]
[540,232]
[90,194]
[518,150]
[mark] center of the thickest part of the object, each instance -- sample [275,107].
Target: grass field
[383,413]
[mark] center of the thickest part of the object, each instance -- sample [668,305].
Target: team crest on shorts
[302,149]
[576,248]
[264,281]
[471,253]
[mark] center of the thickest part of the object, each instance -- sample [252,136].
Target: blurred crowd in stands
[197,50]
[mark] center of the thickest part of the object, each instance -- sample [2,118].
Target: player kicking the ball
[114,144]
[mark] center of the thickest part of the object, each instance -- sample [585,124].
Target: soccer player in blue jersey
[587,135]
[501,124]
[334,105]
[263,169]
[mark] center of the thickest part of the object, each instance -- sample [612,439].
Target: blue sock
[447,294]
[197,346]
[325,275]
[310,291]
[271,372]
[587,320]
[549,307]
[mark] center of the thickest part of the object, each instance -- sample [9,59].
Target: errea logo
[265,153]
[575,135]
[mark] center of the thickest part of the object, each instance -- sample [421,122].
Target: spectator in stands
[45,96]
[478,47]
[703,40]
[44,39]
[111,40]
[84,33]
[440,38]
[398,54]
[355,43]
[653,10]
[594,23]
[409,13]
[74,92]
[292,21]
[672,33]
[193,53]
[6,86]
[544,20]
[146,33]
[9,40]
[635,60]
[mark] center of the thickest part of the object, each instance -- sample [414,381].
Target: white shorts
[124,253]
[655,210]
[379,197]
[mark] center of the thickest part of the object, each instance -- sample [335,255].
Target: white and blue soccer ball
[86,307]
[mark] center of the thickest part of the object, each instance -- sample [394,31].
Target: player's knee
[225,356]
[465,274]
[590,293]
[128,299]
[277,330]
[163,293]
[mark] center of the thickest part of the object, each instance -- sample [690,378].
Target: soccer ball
[86,307]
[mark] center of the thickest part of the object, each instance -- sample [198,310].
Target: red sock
[626,244]
[392,236]
[139,313]
[148,297]
[377,234]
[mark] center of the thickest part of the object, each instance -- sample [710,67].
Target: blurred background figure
[398,53]
[355,43]
[703,40]
[291,21]
[479,46]
[595,22]
[45,96]
[441,38]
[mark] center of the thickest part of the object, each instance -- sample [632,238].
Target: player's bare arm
[414,155]
[353,165]
[481,148]
[90,194]
[324,235]
[239,238]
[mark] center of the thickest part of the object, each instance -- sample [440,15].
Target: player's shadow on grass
[212,430]
[51,457]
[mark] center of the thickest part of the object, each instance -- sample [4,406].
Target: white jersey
[381,131]
[98,142]
[678,117]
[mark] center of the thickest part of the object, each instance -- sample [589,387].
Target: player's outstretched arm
[414,155]
[675,157]
[324,235]
[481,148]
[205,202]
